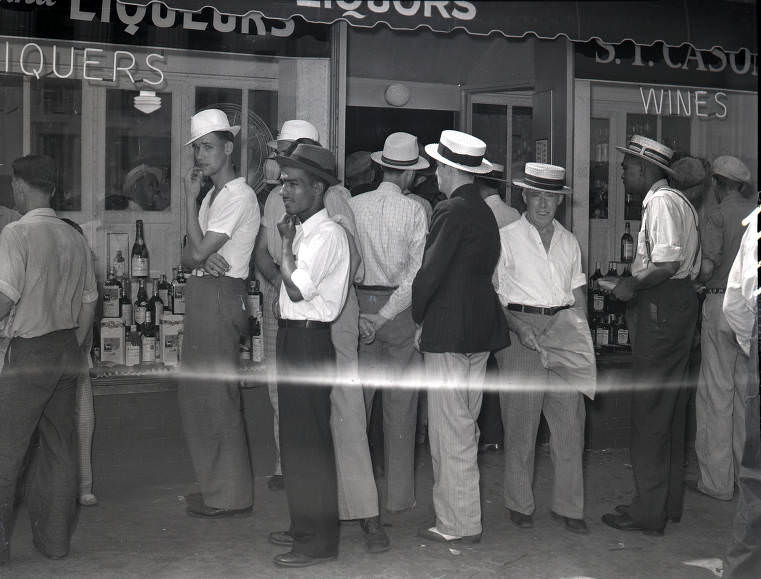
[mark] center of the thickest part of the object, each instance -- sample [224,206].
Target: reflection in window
[138,154]
[56,131]
[12,130]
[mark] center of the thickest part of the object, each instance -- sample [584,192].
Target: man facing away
[724,372]
[454,301]
[667,260]
[539,276]
[47,285]
[220,240]
[312,294]
[391,230]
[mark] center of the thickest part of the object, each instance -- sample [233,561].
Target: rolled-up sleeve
[663,230]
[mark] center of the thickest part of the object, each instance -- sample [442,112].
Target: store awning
[705,24]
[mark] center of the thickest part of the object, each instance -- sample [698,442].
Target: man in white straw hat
[724,372]
[391,230]
[454,302]
[666,308]
[220,239]
[542,287]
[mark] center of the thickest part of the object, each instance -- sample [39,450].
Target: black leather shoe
[204,511]
[626,523]
[577,526]
[521,520]
[291,559]
[624,510]
[282,538]
[376,539]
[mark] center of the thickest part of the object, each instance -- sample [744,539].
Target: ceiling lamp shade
[147,102]
[397,95]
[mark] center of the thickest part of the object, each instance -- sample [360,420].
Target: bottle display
[140,266]
[178,293]
[156,305]
[165,292]
[134,347]
[125,307]
[111,295]
[148,351]
[141,306]
[607,322]
[627,245]
[120,264]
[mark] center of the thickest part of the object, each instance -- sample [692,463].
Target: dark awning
[705,24]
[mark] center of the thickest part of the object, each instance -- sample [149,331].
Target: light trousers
[454,402]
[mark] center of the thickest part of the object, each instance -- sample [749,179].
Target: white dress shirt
[503,213]
[391,230]
[528,274]
[235,213]
[322,271]
[740,305]
[670,228]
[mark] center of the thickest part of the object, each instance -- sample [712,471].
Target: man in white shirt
[666,306]
[220,240]
[312,294]
[539,275]
[391,230]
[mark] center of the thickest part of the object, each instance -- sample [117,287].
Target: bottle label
[245,348]
[140,314]
[127,314]
[149,349]
[254,305]
[178,305]
[159,313]
[111,301]
[628,252]
[257,348]
[164,295]
[598,302]
[623,337]
[139,266]
[132,357]
[602,336]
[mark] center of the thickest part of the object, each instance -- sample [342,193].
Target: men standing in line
[539,276]
[454,301]
[47,282]
[391,230]
[220,240]
[312,294]
[668,259]
[357,493]
[719,403]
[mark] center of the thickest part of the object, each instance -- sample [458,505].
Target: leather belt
[716,290]
[308,324]
[375,288]
[536,309]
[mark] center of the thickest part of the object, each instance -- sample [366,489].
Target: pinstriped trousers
[454,402]
[521,411]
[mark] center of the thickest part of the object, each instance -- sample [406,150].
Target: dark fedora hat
[313,159]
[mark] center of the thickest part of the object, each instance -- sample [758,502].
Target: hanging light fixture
[147,101]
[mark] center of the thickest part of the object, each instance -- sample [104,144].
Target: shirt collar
[388,186]
[41,212]
[314,222]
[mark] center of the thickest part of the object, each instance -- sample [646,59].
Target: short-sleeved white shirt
[527,274]
[235,213]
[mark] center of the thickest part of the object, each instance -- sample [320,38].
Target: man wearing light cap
[724,372]
[461,321]
[220,240]
[666,306]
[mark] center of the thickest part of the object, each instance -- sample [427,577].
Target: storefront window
[598,168]
[138,154]
[12,130]
[56,130]
[676,134]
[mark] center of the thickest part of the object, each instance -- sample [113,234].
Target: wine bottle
[140,265]
[165,293]
[178,293]
[125,307]
[156,305]
[148,350]
[257,341]
[254,299]
[141,306]
[111,289]
[133,347]
[627,245]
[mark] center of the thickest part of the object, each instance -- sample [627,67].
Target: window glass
[11,128]
[138,153]
[598,168]
[262,128]
[56,131]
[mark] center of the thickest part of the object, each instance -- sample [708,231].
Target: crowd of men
[363,292]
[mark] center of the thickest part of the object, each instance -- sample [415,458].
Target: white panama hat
[294,130]
[543,177]
[209,121]
[651,151]
[461,151]
[400,151]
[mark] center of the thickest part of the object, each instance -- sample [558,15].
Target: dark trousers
[306,369]
[666,318]
[37,394]
[490,418]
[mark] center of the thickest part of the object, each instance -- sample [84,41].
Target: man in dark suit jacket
[455,303]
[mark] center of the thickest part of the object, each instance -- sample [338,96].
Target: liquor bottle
[627,271]
[627,245]
[125,308]
[133,347]
[178,293]
[244,346]
[141,306]
[156,305]
[140,265]
[148,332]
[603,333]
[596,300]
[612,269]
[257,341]
[622,333]
[165,293]
[120,264]
[254,299]
[111,289]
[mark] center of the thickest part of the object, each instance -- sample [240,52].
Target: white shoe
[88,500]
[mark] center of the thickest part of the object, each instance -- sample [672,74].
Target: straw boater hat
[313,159]
[400,151]
[293,131]
[140,171]
[649,150]
[209,121]
[543,177]
[731,168]
[461,151]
